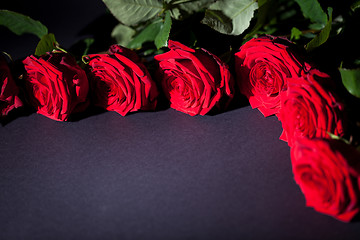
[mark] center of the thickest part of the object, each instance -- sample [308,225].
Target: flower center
[265,79]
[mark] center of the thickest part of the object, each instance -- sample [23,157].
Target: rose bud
[328,173]
[262,66]
[9,92]
[194,81]
[308,109]
[57,86]
[120,82]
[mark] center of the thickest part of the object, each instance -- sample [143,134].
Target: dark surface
[149,175]
[158,175]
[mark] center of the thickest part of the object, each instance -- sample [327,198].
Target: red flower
[262,67]
[194,81]
[308,109]
[56,84]
[120,82]
[328,173]
[9,92]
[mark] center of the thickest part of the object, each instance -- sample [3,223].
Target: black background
[149,175]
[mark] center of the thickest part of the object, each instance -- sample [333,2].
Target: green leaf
[312,10]
[123,34]
[295,34]
[181,8]
[20,24]
[148,34]
[46,44]
[265,8]
[153,51]
[88,42]
[218,21]
[316,26]
[191,6]
[175,13]
[351,80]
[355,5]
[131,12]
[323,36]
[230,17]
[162,38]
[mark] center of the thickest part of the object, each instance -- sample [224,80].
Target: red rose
[194,81]
[262,67]
[328,173]
[57,86]
[120,82]
[309,109]
[8,90]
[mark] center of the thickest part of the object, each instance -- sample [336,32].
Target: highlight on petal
[263,66]
[328,173]
[57,86]
[120,81]
[194,81]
